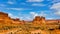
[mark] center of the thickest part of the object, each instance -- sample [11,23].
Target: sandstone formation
[18,26]
[42,20]
[39,20]
[4,18]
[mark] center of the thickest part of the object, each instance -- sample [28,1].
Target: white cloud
[12,16]
[28,18]
[56,7]
[50,18]
[35,4]
[2,5]
[38,14]
[34,14]
[57,13]
[55,1]
[25,17]
[20,17]
[15,8]
[18,9]
[35,0]
[43,14]
[9,2]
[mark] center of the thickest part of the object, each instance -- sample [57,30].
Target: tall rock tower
[39,20]
[42,19]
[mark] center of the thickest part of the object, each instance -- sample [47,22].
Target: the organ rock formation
[39,20]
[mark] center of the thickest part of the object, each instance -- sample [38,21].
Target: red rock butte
[4,18]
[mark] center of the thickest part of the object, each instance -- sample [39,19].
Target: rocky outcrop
[39,20]
[4,18]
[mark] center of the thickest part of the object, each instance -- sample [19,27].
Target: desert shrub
[36,28]
[59,27]
[51,29]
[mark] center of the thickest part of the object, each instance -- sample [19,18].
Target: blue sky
[28,9]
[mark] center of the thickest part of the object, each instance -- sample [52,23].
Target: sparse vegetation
[20,29]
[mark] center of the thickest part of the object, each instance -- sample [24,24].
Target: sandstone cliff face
[15,20]
[36,20]
[4,18]
[51,21]
[39,20]
[3,14]
[18,21]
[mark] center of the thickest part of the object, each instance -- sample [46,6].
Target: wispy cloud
[38,14]
[28,18]
[43,14]
[14,8]
[35,0]
[2,5]
[57,13]
[50,18]
[25,17]
[55,1]
[11,1]
[34,14]
[12,16]
[18,9]
[35,4]
[56,7]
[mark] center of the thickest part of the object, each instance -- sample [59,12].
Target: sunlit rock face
[17,21]
[39,20]
[23,22]
[43,19]
[4,17]
[3,14]
[52,22]
[36,20]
